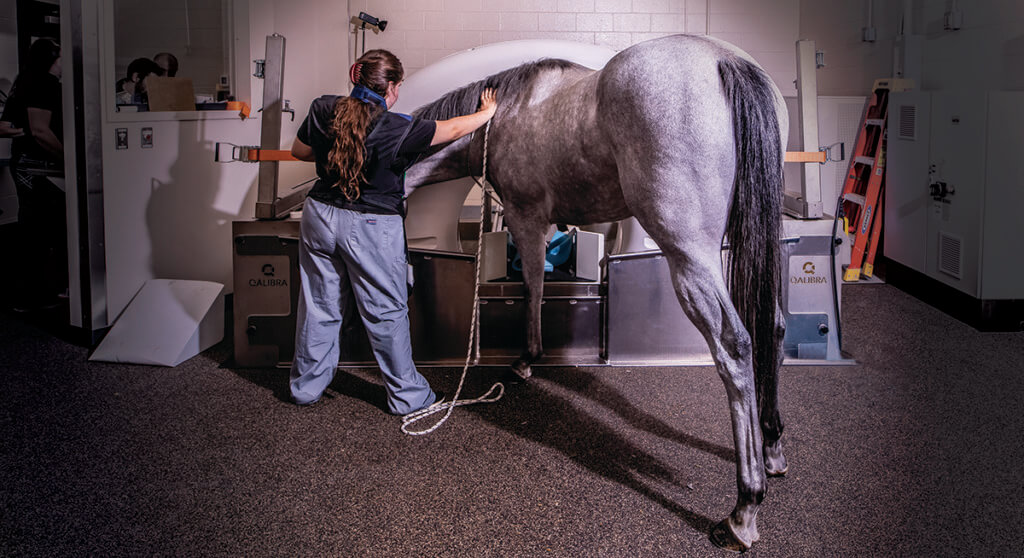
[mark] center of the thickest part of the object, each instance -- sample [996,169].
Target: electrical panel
[955,174]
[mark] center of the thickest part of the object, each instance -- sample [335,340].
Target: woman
[353,238]
[35,155]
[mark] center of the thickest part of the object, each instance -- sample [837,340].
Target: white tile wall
[514,21]
[658,6]
[481,21]
[575,6]
[557,22]
[598,23]
[633,23]
[621,6]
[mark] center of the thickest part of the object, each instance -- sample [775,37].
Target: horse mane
[508,83]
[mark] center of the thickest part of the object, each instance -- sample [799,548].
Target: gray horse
[685,133]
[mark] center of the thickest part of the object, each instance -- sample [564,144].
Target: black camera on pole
[367,20]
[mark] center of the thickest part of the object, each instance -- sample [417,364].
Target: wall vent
[908,122]
[950,254]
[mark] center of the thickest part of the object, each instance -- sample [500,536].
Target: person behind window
[131,90]
[38,154]
[168,62]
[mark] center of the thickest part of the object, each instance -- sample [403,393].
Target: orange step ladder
[864,188]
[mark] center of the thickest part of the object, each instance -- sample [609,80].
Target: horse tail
[753,229]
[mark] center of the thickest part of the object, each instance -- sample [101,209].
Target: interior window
[188,41]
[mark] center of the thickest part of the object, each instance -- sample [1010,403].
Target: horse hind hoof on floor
[522,368]
[724,536]
[774,461]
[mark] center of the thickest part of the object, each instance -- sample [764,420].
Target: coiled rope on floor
[490,397]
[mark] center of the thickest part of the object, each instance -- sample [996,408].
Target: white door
[906,179]
[958,121]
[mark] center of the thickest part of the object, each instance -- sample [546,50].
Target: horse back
[555,163]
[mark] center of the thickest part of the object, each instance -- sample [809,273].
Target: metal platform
[632,318]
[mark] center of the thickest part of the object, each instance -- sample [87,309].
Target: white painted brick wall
[458,5]
[658,6]
[461,40]
[616,41]
[481,21]
[518,21]
[620,6]
[669,23]
[558,22]
[634,23]
[435,21]
[696,6]
[575,6]
[594,22]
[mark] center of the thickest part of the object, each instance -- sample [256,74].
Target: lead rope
[449,406]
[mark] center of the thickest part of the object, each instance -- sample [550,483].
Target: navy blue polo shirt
[393,144]
[42,91]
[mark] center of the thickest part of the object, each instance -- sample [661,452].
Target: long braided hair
[352,117]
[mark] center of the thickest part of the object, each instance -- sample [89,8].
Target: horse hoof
[723,536]
[522,369]
[774,461]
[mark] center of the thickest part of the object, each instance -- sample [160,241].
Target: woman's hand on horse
[454,128]
[489,101]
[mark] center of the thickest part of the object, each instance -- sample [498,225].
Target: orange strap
[269,155]
[805,156]
[241,107]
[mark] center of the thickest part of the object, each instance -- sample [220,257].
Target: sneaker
[438,399]
[307,403]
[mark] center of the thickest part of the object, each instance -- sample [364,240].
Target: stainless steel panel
[270,126]
[84,168]
[441,306]
[266,291]
[266,283]
[645,322]
[808,205]
[646,325]
[803,338]
[807,299]
[572,319]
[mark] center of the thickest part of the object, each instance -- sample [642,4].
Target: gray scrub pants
[345,251]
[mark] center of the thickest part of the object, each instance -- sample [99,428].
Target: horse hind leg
[705,300]
[768,403]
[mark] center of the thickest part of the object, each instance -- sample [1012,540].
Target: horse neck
[459,158]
